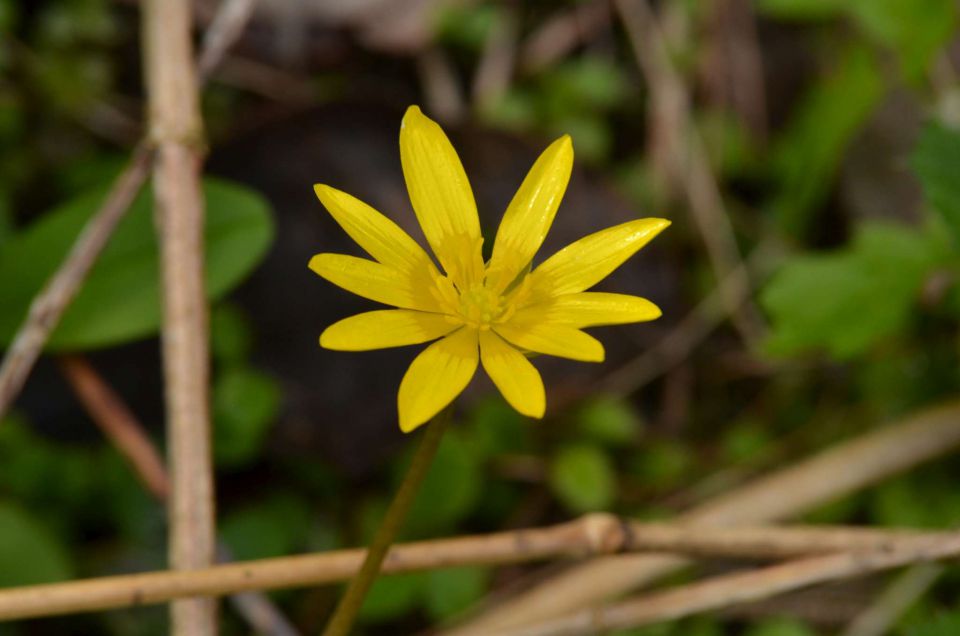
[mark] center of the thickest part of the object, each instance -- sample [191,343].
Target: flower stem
[352,600]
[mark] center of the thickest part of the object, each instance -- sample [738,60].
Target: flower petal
[441,197]
[436,376]
[589,309]
[376,281]
[555,340]
[379,236]
[518,380]
[586,262]
[386,328]
[528,217]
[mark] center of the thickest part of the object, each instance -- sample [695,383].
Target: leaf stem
[352,600]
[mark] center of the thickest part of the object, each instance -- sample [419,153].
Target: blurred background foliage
[842,161]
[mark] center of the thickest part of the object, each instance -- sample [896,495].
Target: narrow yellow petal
[441,197]
[586,262]
[379,236]
[589,309]
[530,214]
[518,380]
[436,376]
[376,281]
[555,340]
[386,328]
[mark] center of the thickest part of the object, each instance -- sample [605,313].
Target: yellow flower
[483,313]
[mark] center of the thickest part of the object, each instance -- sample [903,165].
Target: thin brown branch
[593,534]
[562,33]
[224,30]
[118,423]
[495,68]
[685,154]
[724,591]
[827,476]
[48,306]
[177,130]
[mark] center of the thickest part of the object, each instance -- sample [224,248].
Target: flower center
[480,306]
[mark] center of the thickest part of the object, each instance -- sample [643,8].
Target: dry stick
[562,33]
[732,589]
[592,534]
[49,305]
[889,606]
[495,68]
[115,419]
[677,345]
[177,131]
[687,154]
[829,475]
[225,29]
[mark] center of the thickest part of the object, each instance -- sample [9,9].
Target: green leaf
[801,9]
[231,337]
[936,160]
[582,477]
[942,625]
[609,420]
[450,489]
[808,154]
[120,300]
[451,591]
[393,596]
[847,300]
[273,527]
[915,29]
[781,627]
[245,403]
[29,553]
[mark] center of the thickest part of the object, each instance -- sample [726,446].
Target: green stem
[352,600]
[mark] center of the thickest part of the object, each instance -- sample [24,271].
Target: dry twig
[889,606]
[177,131]
[835,472]
[686,154]
[118,423]
[593,534]
[732,589]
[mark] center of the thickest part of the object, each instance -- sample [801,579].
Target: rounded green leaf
[29,553]
[120,300]
[583,478]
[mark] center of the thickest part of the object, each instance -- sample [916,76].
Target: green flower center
[480,306]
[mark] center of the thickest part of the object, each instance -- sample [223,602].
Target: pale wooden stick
[177,131]
[893,602]
[113,416]
[733,589]
[835,472]
[593,534]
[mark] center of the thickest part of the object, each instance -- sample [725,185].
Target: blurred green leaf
[272,527]
[662,463]
[780,627]
[393,596]
[942,625]
[846,300]
[120,300]
[29,553]
[493,427]
[449,491]
[801,9]
[609,420]
[936,161]
[451,591]
[808,153]
[245,403]
[582,478]
[231,337]
[915,29]
[913,502]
